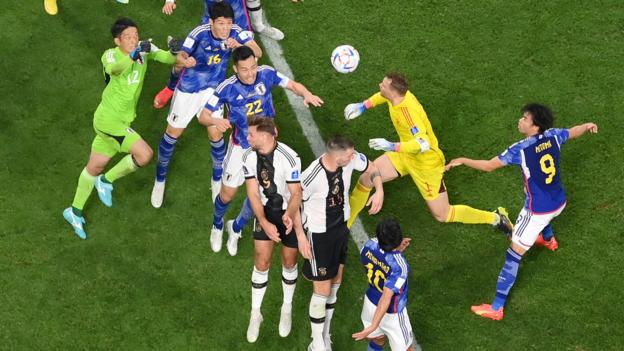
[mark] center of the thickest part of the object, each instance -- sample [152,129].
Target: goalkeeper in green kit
[124,71]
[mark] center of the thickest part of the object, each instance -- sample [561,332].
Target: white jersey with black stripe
[273,178]
[322,200]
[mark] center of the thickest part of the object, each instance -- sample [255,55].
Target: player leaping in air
[538,157]
[415,154]
[244,11]
[124,71]
[245,94]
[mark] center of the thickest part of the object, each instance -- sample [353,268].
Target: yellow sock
[467,214]
[357,201]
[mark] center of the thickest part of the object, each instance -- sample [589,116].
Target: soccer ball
[345,59]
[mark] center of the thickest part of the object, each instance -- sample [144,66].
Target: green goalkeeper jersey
[125,81]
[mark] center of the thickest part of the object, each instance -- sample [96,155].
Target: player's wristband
[136,54]
[367,105]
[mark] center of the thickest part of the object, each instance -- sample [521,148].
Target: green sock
[124,167]
[85,186]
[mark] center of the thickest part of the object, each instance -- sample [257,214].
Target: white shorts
[395,326]
[529,225]
[184,106]
[233,175]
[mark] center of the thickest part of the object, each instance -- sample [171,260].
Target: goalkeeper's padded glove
[382,144]
[175,45]
[353,111]
[144,46]
[135,55]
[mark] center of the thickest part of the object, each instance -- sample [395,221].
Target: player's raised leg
[221,204]
[257,21]
[217,154]
[359,195]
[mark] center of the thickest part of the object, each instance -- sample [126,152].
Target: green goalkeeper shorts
[112,139]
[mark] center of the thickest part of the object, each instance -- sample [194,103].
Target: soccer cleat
[216,238]
[311,347]
[215,188]
[486,311]
[254,326]
[158,193]
[285,323]
[50,7]
[272,33]
[123,1]
[76,222]
[504,224]
[232,242]
[551,244]
[162,98]
[105,191]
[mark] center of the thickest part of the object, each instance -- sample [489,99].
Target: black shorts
[329,251]
[275,217]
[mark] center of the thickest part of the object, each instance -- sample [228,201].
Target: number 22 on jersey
[254,108]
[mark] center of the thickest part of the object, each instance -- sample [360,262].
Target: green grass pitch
[146,278]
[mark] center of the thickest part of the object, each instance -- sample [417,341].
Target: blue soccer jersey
[241,17]
[211,56]
[245,100]
[385,270]
[538,157]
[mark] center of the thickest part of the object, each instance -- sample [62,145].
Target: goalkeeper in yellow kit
[416,154]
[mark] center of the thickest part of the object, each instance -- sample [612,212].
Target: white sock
[289,282]
[259,281]
[329,308]
[317,320]
[255,15]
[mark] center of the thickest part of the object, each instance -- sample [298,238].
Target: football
[345,59]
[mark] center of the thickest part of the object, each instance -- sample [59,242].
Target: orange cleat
[486,311]
[551,244]
[162,98]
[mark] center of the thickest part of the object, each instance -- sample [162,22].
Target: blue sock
[219,212]
[374,347]
[245,215]
[165,151]
[506,278]
[173,79]
[217,152]
[547,232]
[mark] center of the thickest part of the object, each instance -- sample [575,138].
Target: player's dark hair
[262,124]
[221,9]
[242,53]
[339,143]
[389,234]
[542,116]
[398,82]
[120,25]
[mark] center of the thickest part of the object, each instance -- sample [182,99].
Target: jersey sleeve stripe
[199,29]
[312,175]
[288,156]
[225,83]
[407,116]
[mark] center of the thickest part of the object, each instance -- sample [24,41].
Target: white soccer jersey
[326,194]
[273,172]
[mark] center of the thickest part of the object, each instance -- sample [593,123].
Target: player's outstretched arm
[376,200]
[301,90]
[482,165]
[169,6]
[581,129]
[380,311]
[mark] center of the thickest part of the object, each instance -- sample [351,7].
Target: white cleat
[272,32]
[254,326]
[216,238]
[285,323]
[158,193]
[215,188]
[312,347]
[232,242]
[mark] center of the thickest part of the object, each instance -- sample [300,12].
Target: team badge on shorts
[322,271]
[260,89]
[129,130]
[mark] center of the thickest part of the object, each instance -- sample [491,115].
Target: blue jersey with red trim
[241,17]
[538,157]
[245,100]
[385,270]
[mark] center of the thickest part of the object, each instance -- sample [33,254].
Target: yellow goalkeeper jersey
[414,129]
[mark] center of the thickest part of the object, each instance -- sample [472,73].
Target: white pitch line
[304,117]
